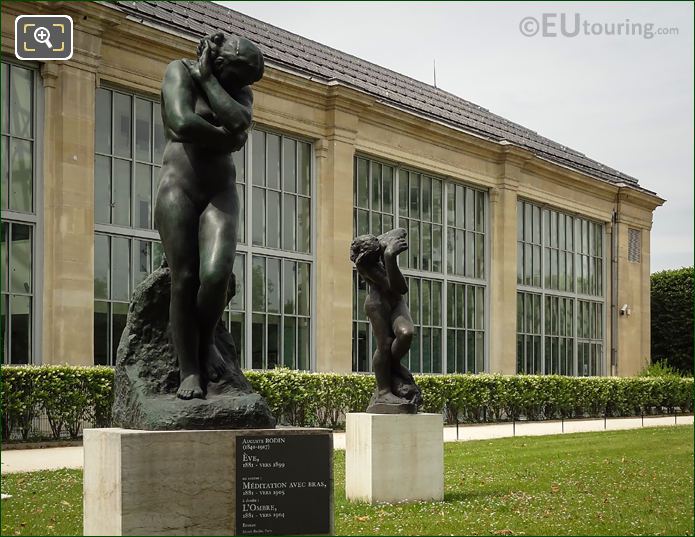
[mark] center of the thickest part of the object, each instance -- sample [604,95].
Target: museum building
[525,256]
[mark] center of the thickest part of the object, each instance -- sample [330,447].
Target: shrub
[70,395]
[672,318]
[66,395]
[660,369]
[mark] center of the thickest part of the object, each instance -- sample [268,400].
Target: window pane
[303,224]
[426,350]
[480,211]
[258,157]
[436,303]
[273,215]
[102,137]
[304,357]
[414,296]
[303,289]
[101,333]
[21,259]
[237,301]
[4,250]
[470,209]
[437,201]
[236,328]
[403,189]
[470,254]
[273,341]
[143,129]
[119,315]
[157,252]
[21,102]
[4,94]
[22,165]
[426,302]
[289,218]
[159,139]
[258,226]
[273,285]
[375,181]
[142,250]
[289,284]
[102,189]
[426,246]
[239,159]
[362,183]
[20,337]
[479,256]
[241,222]
[289,165]
[5,170]
[121,192]
[387,172]
[120,269]
[414,211]
[102,262]
[460,202]
[436,248]
[304,169]
[143,196]
[257,341]
[273,161]
[289,342]
[258,282]
[414,245]
[122,125]
[426,198]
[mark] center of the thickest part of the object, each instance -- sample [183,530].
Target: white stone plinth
[165,482]
[394,457]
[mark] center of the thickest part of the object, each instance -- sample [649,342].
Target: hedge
[68,396]
[672,318]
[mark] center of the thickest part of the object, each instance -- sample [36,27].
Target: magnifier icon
[43,36]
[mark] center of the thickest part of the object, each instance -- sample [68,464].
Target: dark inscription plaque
[283,485]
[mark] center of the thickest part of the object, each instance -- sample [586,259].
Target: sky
[625,100]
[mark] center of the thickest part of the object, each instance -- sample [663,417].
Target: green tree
[672,318]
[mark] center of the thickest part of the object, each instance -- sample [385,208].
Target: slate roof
[297,53]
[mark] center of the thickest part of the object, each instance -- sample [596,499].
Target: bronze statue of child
[207,112]
[376,261]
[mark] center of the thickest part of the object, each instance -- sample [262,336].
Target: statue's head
[236,61]
[363,248]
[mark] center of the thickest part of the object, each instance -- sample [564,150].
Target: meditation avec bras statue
[376,261]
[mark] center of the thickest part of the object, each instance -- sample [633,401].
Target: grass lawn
[608,483]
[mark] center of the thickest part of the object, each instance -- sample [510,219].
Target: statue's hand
[396,247]
[202,69]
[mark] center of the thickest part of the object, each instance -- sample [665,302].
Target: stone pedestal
[273,481]
[394,458]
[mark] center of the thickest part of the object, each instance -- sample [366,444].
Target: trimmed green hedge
[70,395]
[67,396]
[672,318]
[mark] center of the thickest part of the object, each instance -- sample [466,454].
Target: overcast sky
[624,100]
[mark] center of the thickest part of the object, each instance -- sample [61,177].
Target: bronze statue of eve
[207,112]
[376,261]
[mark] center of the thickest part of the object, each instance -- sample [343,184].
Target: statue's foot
[190,388]
[388,403]
[215,366]
[390,399]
